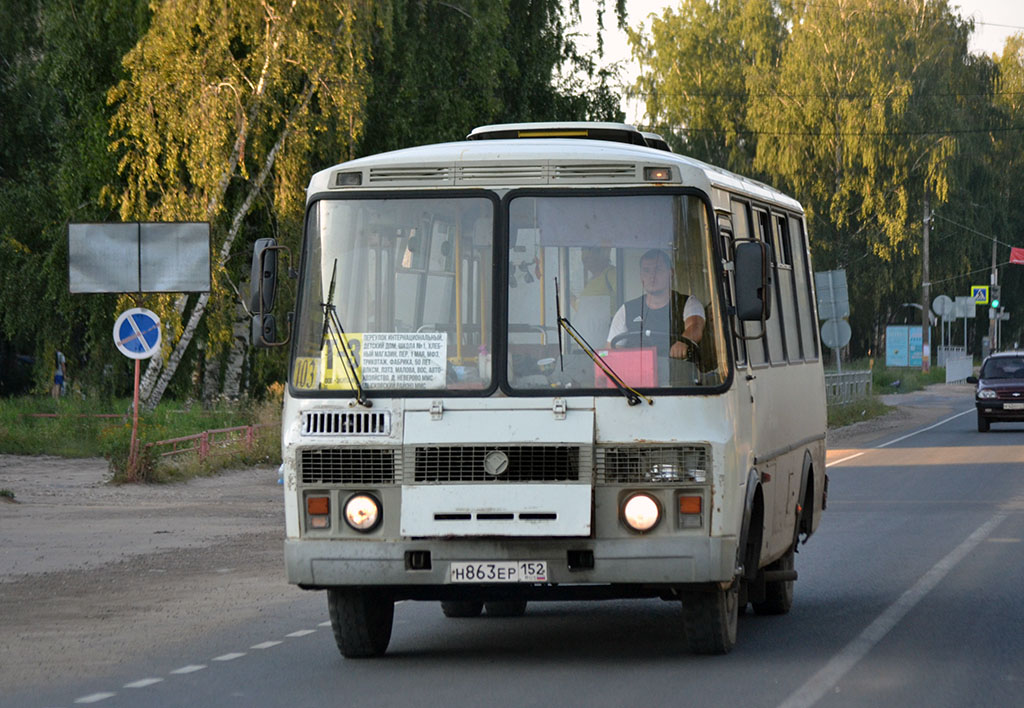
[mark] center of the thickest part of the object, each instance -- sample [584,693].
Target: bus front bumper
[633,562]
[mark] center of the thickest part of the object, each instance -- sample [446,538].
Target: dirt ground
[81,560]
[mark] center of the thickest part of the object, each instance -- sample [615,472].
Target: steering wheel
[633,338]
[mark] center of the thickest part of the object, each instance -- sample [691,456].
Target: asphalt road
[909,595]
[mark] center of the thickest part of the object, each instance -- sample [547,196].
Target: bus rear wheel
[778,594]
[710,618]
[361,619]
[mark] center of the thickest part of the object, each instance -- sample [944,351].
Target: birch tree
[219,100]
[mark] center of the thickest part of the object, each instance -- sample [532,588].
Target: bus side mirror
[753,300]
[263,286]
[263,276]
[264,331]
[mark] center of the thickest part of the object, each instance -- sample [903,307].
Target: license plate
[1013,406]
[498,572]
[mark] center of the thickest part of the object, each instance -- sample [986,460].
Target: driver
[660,310]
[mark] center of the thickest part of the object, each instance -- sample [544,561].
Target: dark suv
[1000,394]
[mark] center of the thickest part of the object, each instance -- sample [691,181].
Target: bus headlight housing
[362,512]
[641,512]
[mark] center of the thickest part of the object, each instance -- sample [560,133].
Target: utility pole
[993,279]
[925,287]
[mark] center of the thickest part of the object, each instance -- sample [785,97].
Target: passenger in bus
[673,320]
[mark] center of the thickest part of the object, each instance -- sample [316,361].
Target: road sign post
[137,336]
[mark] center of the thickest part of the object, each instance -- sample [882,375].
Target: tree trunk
[211,381]
[225,250]
[156,363]
[236,357]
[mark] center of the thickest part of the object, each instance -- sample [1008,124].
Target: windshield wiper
[332,326]
[633,397]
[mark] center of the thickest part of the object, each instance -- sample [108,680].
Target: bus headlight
[641,512]
[362,512]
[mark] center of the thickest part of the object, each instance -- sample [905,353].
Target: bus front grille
[633,464]
[349,465]
[441,464]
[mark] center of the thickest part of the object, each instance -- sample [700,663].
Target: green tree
[59,58]
[862,121]
[697,65]
[220,107]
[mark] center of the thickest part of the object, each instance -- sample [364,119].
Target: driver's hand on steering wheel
[678,350]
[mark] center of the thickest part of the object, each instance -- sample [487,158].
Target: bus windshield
[397,294]
[406,283]
[632,277]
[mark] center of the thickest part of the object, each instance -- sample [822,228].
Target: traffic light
[994,301]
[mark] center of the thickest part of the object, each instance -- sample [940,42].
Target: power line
[973,231]
[857,134]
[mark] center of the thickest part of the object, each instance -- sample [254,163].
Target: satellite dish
[835,333]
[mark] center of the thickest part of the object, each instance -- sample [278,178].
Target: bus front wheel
[710,618]
[361,619]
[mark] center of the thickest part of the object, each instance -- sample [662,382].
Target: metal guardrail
[211,442]
[847,386]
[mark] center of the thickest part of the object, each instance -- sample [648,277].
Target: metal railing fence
[847,386]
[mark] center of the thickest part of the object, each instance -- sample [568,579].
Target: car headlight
[362,512]
[986,393]
[641,512]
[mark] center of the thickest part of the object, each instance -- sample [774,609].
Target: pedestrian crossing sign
[979,294]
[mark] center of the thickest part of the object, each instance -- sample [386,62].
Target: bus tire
[506,608]
[778,594]
[361,619]
[710,619]
[461,608]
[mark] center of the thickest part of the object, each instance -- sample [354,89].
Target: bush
[75,431]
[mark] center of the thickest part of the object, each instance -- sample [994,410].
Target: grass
[71,428]
[856,411]
[883,381]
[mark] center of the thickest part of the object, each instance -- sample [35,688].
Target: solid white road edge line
[904,437]
[825,680]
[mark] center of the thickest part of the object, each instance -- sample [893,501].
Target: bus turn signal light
[690,505]
[318,506]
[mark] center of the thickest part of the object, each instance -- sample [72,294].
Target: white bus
[549,362]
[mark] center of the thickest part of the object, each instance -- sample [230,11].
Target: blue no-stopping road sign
[137,333]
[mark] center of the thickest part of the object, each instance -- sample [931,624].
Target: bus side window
[729,255]
[776,343]
[788,308]
[803,278]
[755,350]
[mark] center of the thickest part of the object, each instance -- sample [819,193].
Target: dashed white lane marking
[264,645]
[904,437]
[833,672]
[190,669]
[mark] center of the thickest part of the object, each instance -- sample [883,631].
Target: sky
[994,20]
